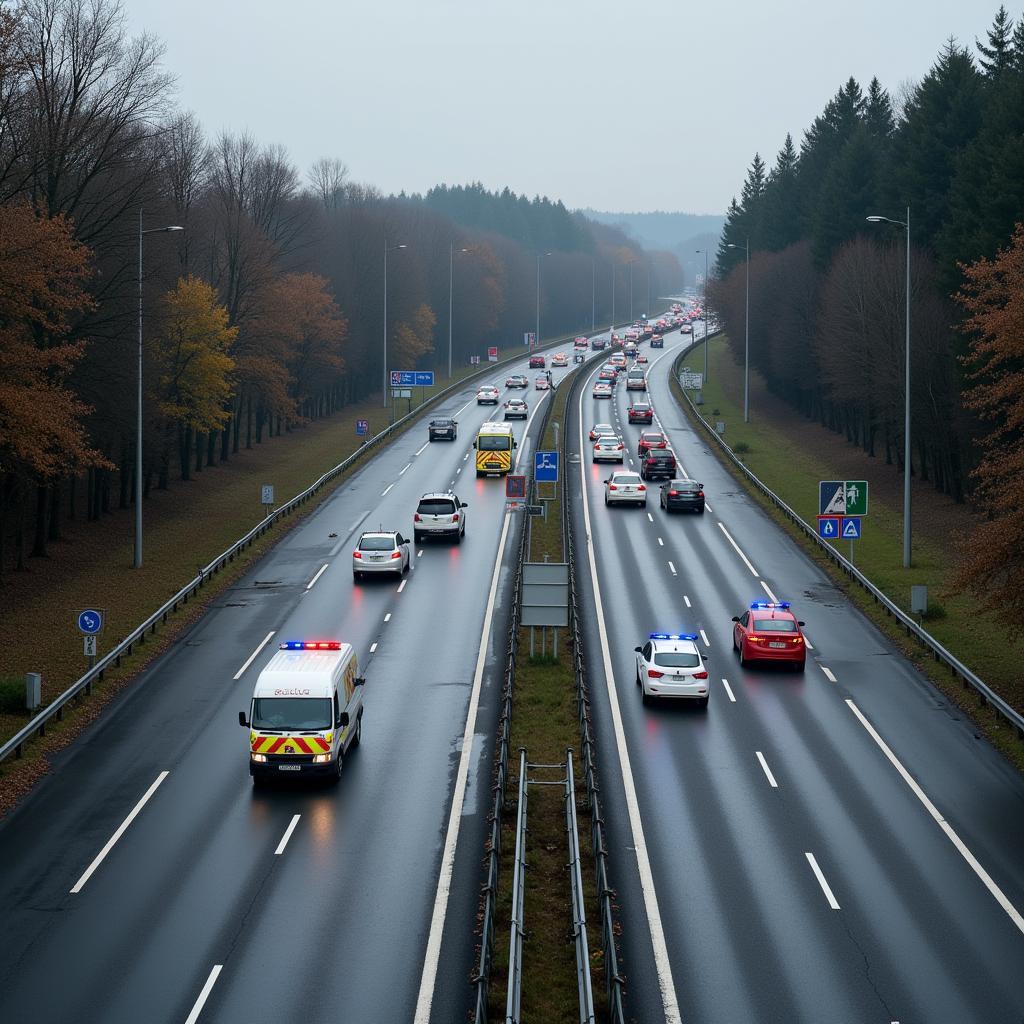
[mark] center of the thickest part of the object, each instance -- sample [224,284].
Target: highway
[218,902]
[838,846]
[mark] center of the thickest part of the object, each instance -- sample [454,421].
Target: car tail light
[798,640]
[700,494]
[596,447]
[754,638]
[673,494]
[396,554]
[613,487]
[642,487]
[455,518]
[357,554]
[620,447]
[416,518]
[654,673]
[700,675]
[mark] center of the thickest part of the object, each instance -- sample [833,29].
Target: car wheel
[336,774]
[478,474]
[645,699]
[417,537]
[458,537]
[638,683]
[799,666]
[358,734]
[606,499]
[408,565]
[356,577]
[703,702]
[743,661]
[700,511]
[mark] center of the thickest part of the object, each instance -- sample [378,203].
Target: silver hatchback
[385,551]
[440,514]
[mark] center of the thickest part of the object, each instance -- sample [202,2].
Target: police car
[670,665]
[769,631]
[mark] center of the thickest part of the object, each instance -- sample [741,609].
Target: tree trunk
[105,490]
[199,451]
[42,508]
[211,447]
[248,424]
[19,532]
[184,451]
[56,495]
[72,492]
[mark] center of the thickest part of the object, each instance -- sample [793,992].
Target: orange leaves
[414,338]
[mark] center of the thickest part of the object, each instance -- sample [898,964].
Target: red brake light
[455,518]
[396,554]
[654,673]
[621,446]
[613,487]
[673,494]
[642,487]
[416,518]
[357,554]
[700,675]
[700,494]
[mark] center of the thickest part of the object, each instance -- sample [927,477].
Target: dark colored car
[443,430]
[657,341]
[658,462]
[641,412]
[682,496]
[597,344]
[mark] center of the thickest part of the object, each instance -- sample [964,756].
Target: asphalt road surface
[222,903]
[835,847]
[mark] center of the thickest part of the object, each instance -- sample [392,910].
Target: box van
[306,711]
[494,444]
[636,380]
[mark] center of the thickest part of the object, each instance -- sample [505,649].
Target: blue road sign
[851,528]
[545,467]
[830,527]
[831,497]
[362,427]
[403,378]
[90,621]
[424,379]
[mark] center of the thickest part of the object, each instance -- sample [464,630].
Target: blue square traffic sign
[851,528]
[362,427]
[424,378]
[545,467]
[830,527]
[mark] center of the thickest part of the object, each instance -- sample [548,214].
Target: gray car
[381,552]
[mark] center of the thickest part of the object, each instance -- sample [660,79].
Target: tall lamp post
[705,314]
[540,256]
[906,394]
[746,334]
[138,421]
[384,372]
[451,293]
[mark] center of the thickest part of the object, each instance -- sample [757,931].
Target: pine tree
[878,115]
[996,57]
[1017,46]
[780,225]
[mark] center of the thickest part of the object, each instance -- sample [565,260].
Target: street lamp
[451,291]
[706,340]
[906,395]
[138,421]
[746,332]
[384,374]
[540,256]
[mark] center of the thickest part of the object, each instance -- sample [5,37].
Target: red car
[650,439]
[641,412]
[769,631]
[537,362]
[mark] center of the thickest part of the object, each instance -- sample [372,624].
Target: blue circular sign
[90,621]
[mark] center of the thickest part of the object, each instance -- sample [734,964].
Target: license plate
[289,767]
[777,645]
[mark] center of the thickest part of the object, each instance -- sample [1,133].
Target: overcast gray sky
[626,106]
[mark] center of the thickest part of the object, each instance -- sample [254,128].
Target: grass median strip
[791,455]
[544,721]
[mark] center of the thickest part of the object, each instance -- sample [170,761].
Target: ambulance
[494,444]
[306,711]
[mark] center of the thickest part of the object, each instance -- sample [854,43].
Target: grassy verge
[790,455]
[544,722]
[184,527]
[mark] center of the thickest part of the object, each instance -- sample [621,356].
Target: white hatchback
[625,487]
[609,448]
[670,665]
[487,393]
[386,551]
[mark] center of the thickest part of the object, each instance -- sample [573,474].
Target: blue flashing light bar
[311,645]
[769,604]
[672,636]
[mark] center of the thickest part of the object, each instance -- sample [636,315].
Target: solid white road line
[401,471]
[832,901]
[373,647]
[432,955]
[767,770]
[736,546]
[728,690]
[828,673]
[662,964]
[252,657]
[661,542]
[807,641]
[708,507]
[1000,898]
[387,618]
[687,600]
[768,591]
[704,637]
[287,835]
[401,586]
[386,489]
[673,569]
[204,995]
[320,572]
[426,445]
[121,829]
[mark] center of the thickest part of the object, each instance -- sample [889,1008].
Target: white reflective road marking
[121,829]
[807,641]
[767,770]
[997,893]
[672,569]
[387,618]
[426,445]
[649,516]
[252,657]
[687,600]
[204,995]
[401,586]
[828,673]
[373,647]
[832,901]
[736,546]
[320,572]
[768,591]
[661,542]
[662,963]
[708,507]
[704,637]
[728,690]
[287,835]
[386,489]
[401,471]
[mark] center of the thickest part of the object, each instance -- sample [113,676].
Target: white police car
[670,665]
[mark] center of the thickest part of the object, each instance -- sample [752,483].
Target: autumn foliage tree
[993,297]
[414,338]
[43,275]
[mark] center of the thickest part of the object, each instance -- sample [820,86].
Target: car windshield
[441,423]
[640,408]
[602,428]
[625,478]
[436,507]
[609,441]
[291,713]
[660,454]
[676,659]
[376,543]
[775,625]
[493,444]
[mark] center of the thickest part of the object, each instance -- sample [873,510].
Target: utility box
[919,600]
[33,690]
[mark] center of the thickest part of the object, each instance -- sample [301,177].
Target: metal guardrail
[513,1000]
[37,725]
[986,695]
[614,981]
[579,913]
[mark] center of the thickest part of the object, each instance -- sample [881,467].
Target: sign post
[362,428]
[842,504]
[267,498]
[90,625]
